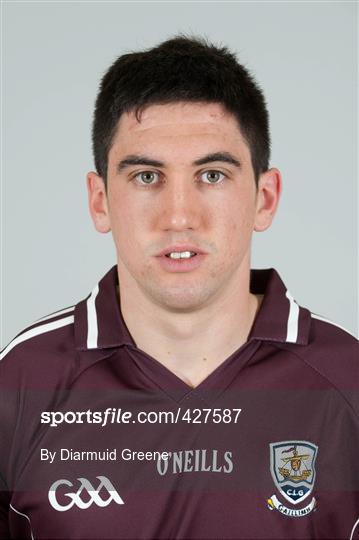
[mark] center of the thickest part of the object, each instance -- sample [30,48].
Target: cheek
[236,232]
[238,220]
[128,223]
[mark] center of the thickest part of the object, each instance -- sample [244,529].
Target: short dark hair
[181,69]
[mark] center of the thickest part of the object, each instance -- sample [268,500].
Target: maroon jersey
[98,440]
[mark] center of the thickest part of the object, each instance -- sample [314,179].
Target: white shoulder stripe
[92,328]
[292,324]
[56,314]
[353,529]
[25,516]
[36,332]
[320,318]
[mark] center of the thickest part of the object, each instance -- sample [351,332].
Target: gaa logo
[88,490]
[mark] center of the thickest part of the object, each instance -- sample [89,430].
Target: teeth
[181,255]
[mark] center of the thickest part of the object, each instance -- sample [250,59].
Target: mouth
[179,255]
[181,259]
[181,251]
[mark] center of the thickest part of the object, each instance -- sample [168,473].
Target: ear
[98,205]
[268,193]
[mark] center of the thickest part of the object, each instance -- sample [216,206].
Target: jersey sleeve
[9,404]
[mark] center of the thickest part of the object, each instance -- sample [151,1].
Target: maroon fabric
[218,480]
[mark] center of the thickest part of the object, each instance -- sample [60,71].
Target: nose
[180,207]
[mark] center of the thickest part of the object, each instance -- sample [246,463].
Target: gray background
[54,53]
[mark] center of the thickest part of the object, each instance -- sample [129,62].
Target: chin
[183,299]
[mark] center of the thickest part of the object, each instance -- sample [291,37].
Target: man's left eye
[212,177]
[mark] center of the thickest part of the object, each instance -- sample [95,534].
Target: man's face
[180,180]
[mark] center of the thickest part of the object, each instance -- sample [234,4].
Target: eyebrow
[226,157]
[135,159]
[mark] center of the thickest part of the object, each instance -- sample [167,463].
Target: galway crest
[292,465]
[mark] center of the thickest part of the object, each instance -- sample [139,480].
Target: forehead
[179,112]
[179,124]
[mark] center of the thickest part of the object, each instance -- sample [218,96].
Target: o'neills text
[196,460]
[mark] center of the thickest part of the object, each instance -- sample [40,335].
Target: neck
[190,344]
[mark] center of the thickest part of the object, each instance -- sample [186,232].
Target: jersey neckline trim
[99,323]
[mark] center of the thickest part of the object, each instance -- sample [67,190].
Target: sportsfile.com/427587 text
[114,415]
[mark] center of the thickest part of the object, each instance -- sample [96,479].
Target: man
[187,396]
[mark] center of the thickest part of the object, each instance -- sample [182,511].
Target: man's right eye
[147,177]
